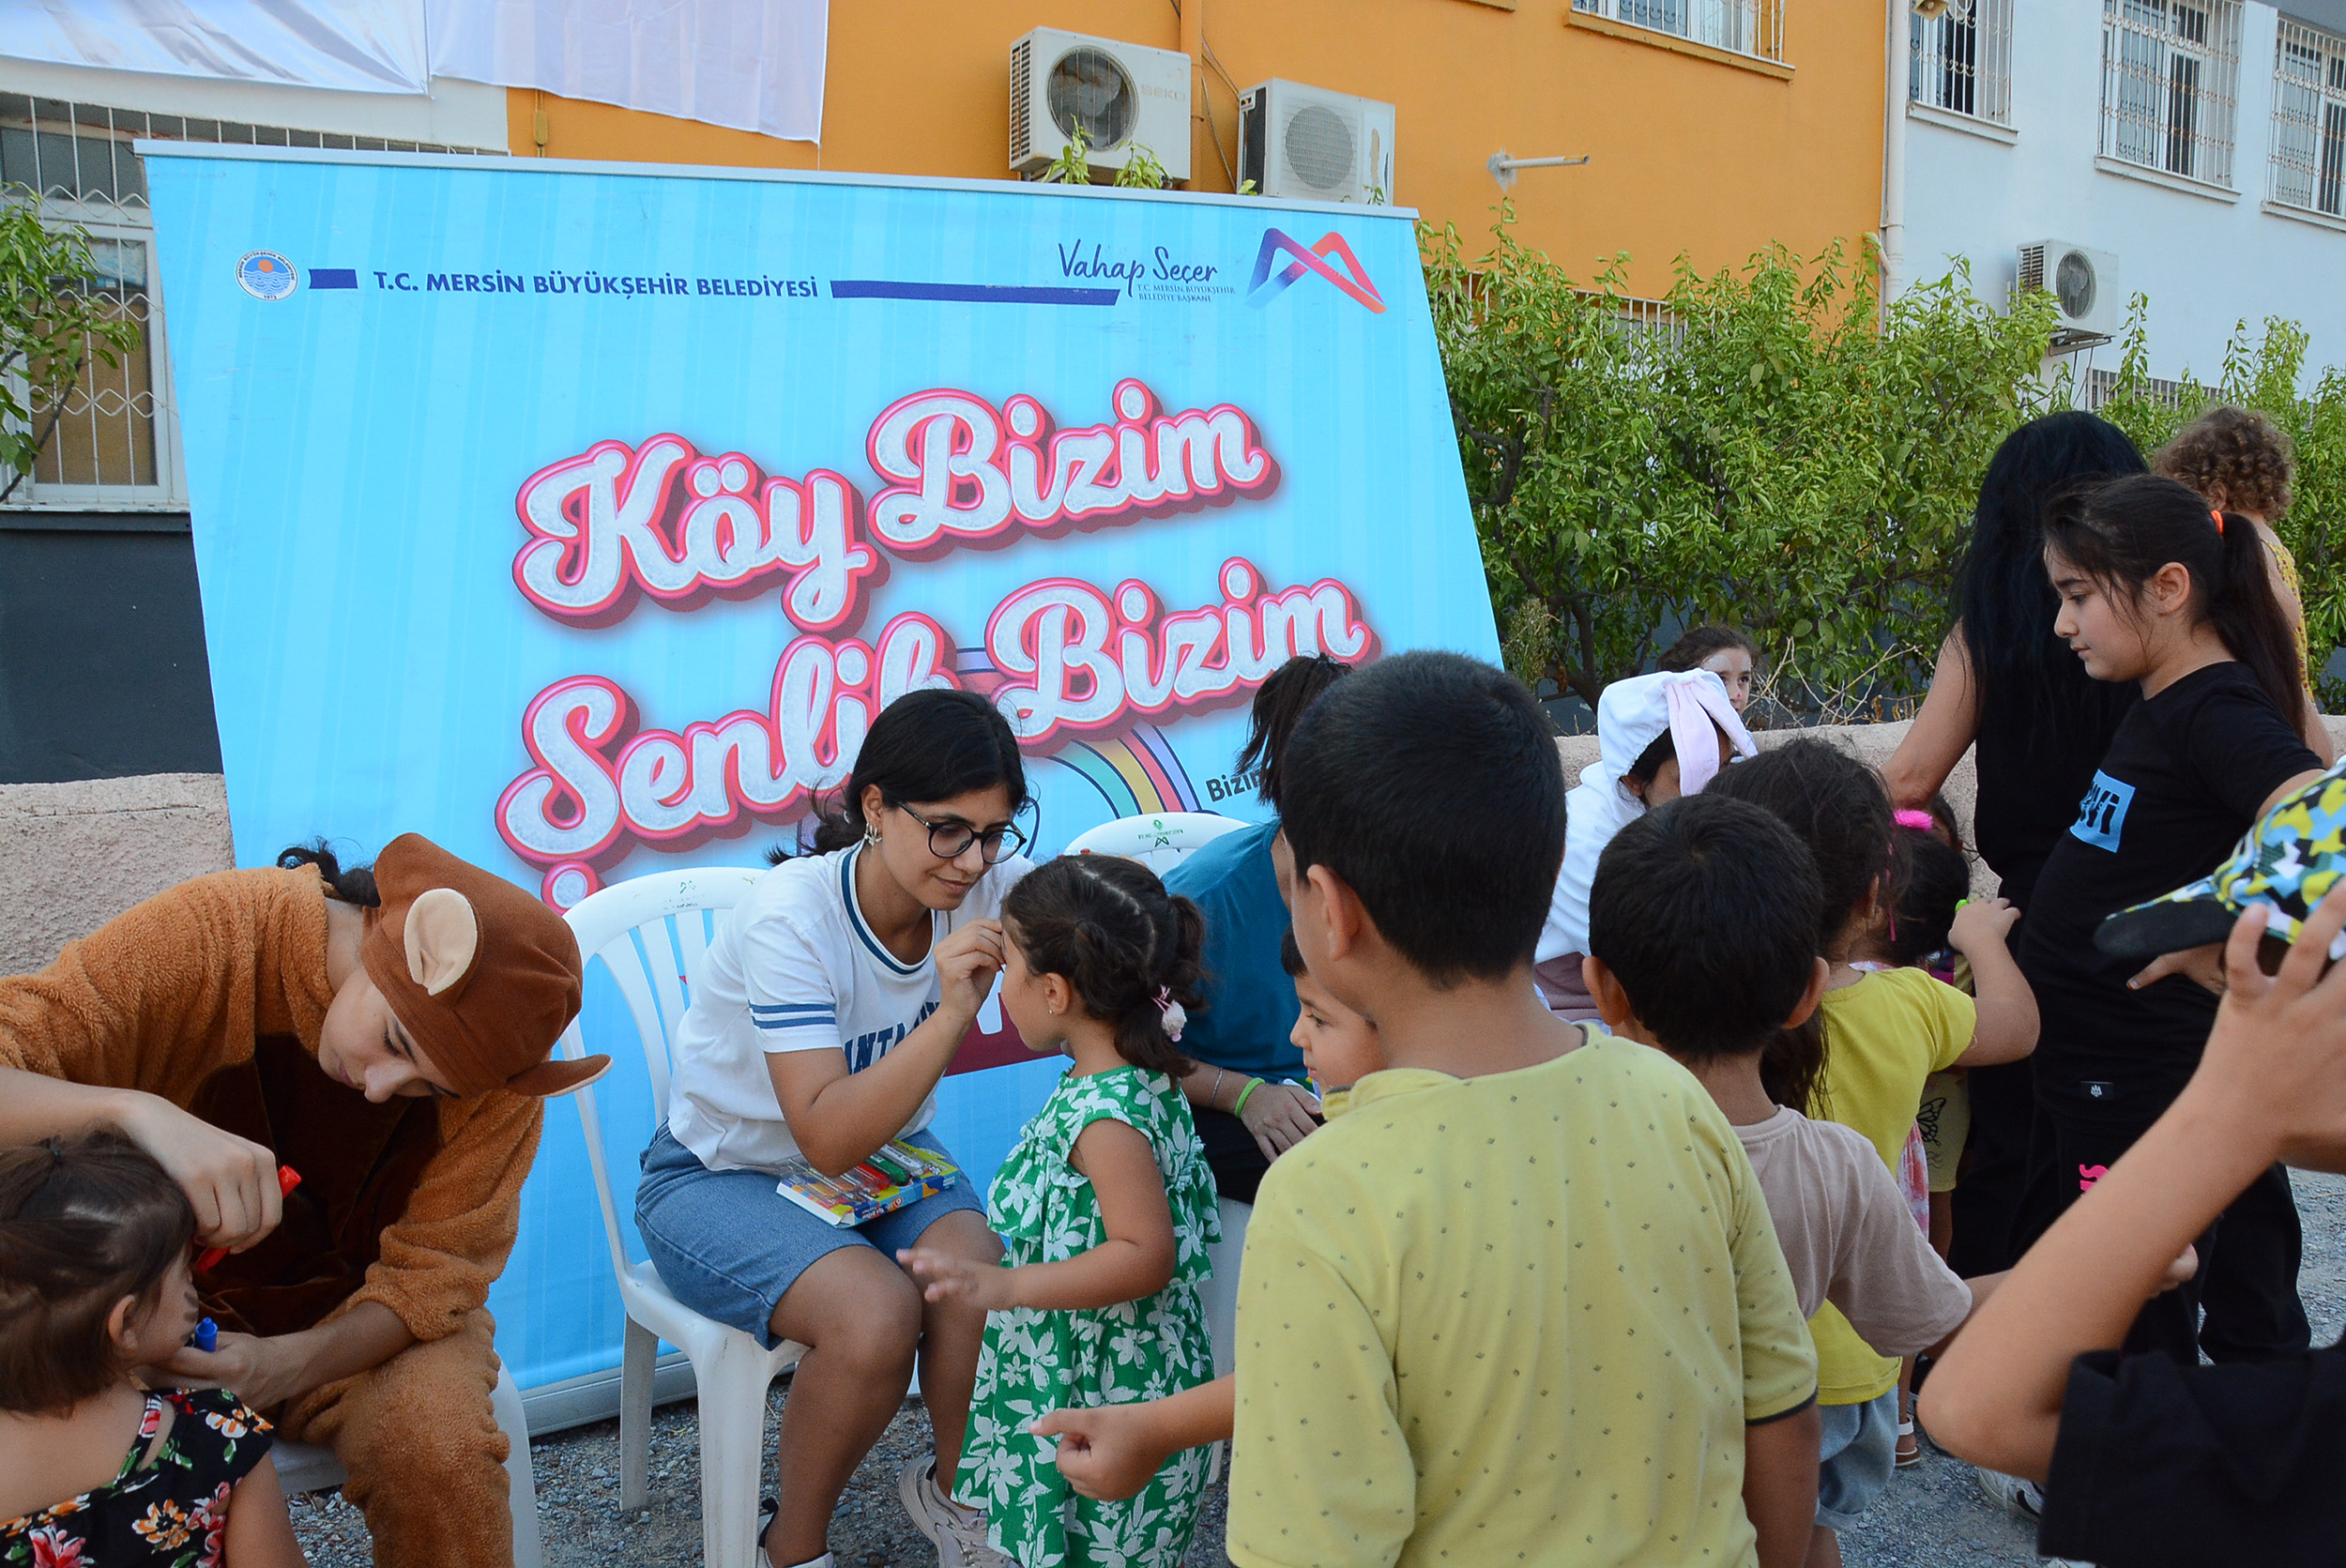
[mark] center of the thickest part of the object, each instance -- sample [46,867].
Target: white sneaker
[2024,1498]
[959,1532]
[822,1562]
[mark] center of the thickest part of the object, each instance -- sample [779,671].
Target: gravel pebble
[1934,1515]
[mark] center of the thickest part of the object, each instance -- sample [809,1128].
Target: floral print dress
[170,1510]
[1035,1361]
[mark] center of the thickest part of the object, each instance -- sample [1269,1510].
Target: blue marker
[206,1336]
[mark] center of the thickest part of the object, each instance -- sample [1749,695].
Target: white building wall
[2206,261]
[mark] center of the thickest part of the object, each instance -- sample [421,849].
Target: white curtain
[754,65]
[364,46]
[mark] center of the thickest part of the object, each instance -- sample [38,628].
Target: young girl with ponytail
[95,1470]
[2159,590]
[1106,1206]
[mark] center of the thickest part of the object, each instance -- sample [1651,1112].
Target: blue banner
[582,517]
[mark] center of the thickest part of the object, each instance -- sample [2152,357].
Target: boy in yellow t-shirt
[1524,1302]
[1886,1030]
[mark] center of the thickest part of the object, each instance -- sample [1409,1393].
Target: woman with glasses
[832,1002]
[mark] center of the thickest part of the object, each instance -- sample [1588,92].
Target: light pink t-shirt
[1847,1236]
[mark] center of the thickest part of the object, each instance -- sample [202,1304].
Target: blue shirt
[1250,1002]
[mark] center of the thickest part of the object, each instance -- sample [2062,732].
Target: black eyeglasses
[950,840]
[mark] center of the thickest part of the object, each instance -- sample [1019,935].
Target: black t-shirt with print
[2185,777]
[2159,1464]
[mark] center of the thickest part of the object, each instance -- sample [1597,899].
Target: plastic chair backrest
[652,934]
[1155,839]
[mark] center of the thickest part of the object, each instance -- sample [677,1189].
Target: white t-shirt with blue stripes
[794,967]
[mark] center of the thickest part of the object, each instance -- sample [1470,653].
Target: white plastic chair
[671,915]
[1155,839]
[305,1468]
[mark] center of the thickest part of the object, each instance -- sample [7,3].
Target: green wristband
[1238,1108]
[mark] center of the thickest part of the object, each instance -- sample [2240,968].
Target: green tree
[50,322]
[1770,449]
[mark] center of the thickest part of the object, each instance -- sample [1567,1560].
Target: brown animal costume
[211,996]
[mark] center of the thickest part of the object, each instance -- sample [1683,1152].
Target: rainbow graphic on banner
[1135,771]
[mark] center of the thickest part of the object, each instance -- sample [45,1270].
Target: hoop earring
[871,835]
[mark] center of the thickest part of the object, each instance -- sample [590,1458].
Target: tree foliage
[1768,451]
[51,321]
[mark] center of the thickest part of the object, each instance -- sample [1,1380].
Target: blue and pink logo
[1352,279]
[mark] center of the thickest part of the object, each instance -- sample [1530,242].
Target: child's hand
[1981,922]
[1105,1451]
[2181,1271]
[2201,966]
[944,1277]
[2276,1060]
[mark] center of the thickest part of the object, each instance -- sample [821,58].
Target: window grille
[115,438]
[1961,61]
[2170,75]
[1754,27]
[2309,118]
[2101,385]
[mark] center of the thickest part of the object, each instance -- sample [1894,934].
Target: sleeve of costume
[1320,1470]
[1954,1018]
[1779,1359]
[2156,1463]
[2244,750]
[1893,1289]
[792,997]
[129,1005]
[440,1256]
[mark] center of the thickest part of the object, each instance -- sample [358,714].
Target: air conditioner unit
[1123,96]
[1299,143]
[2084,282]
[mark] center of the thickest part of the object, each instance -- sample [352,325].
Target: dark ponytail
[351,885]
[1279,706]
[83,1222]
[2120,535]
[927,745]
[1128,947]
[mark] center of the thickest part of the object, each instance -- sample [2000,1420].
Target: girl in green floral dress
[1105,1208]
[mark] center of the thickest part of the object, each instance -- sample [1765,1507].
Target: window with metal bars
[112,441]
[2170,75]
[2309,161]
[1961,60]
[1754,27]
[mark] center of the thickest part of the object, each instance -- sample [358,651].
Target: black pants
[1231,1153]
[2247,1285]
[1988,1198]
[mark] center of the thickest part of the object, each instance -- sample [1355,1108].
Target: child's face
[2100,628]
[1340,1047]
[1734,666]
[1027,997]
[155,1330]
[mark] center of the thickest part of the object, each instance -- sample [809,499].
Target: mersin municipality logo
[1266,285]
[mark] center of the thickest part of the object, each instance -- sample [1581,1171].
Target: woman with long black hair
[832,1000]
[2008,685]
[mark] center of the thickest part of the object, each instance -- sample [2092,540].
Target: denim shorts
[1858,1452]
[727,1245]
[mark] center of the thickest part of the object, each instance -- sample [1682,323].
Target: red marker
[208,1259]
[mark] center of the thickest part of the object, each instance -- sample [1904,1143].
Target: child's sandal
[1909,1452]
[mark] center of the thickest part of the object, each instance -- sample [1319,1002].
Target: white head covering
[1631,715]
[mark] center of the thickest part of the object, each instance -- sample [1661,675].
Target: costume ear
[443,937]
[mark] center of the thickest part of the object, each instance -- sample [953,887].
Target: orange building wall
[1689,155]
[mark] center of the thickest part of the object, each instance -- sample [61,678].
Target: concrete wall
[2205,259]
[73,856]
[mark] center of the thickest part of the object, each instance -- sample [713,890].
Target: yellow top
[1883,1036]
[1521,1318]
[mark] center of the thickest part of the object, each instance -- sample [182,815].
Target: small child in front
[95,1470]
[1522,1302]
[1105,1208]
[1702,941]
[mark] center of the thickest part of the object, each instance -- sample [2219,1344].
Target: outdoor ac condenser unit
[1123,96]
[1299,143]
[2084,280]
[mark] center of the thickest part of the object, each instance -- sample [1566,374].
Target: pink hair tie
[1176,1015]
[2220,519]
[1922,822]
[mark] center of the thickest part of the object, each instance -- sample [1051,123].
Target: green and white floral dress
[1036,1360]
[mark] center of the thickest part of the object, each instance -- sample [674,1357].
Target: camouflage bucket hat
[2293,855]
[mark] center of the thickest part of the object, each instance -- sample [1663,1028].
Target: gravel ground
[1934,1515]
